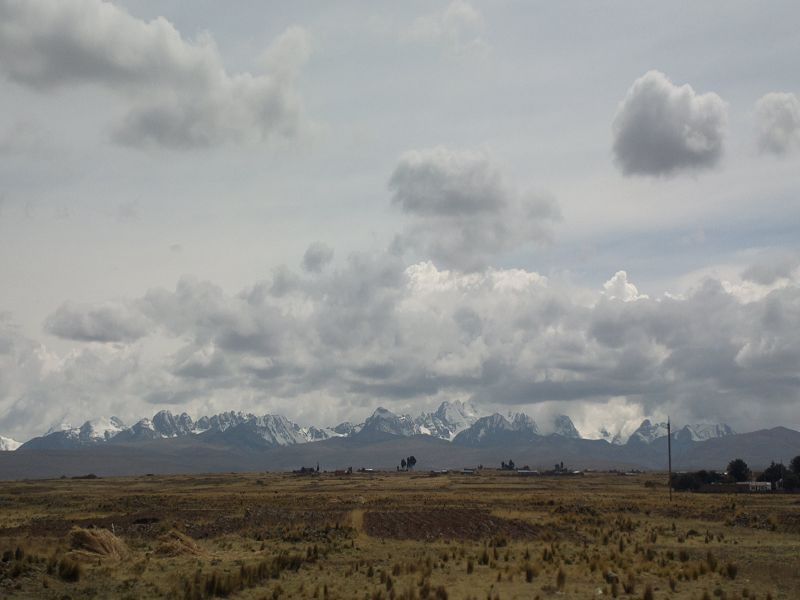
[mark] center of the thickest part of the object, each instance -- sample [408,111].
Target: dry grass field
[393,535]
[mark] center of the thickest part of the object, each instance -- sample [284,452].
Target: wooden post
[669,457]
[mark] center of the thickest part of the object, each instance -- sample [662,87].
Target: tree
[794,465]
[774,472]
[411,461]
[738,470]
[403,463]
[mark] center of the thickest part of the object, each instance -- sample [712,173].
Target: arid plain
[393,535]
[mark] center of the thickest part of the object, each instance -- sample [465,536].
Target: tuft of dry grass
[175,543]
[94,543]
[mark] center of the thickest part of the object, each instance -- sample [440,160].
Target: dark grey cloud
[317,256]
[461,212]
[97,323]
[178,92]
[778,123]
[661,128]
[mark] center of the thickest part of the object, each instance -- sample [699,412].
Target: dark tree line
[789,478]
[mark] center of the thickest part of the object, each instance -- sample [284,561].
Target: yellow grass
[393,535]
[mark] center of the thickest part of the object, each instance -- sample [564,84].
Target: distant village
[737,478]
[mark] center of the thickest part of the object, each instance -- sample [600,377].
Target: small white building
[756,486]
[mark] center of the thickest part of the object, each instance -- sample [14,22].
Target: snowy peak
[385,421]
[522,422]
[168,425]
[8,445]
[456,411]
[484,428]
[648,432]
[221,422]
[59,428]
[315,434]
[276,430]
[563,426]
[448,420]
[343,429]
[701,432]
[100,430]
[616,438]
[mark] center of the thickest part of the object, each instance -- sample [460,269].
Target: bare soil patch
[446,523]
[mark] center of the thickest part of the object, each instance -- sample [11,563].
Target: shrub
[731,570]
[69,569]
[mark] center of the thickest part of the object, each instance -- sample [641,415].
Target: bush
[69,569]
[791,482]
[694,481]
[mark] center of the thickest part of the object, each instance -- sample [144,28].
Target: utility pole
[669,458]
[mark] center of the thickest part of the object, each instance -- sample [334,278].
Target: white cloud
[619,288]
[460,27]
[177,93]
[662,129]
[778,123]
[461,211]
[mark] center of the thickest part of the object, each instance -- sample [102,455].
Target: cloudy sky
[315,208]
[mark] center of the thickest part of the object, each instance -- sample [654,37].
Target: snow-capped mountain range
[455,421]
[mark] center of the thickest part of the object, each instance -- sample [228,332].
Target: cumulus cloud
[97,323]
[459,27]
[619,288]
[378,331]
[317,257]
[177,92]
[778,123]
[461,212]
[661,128]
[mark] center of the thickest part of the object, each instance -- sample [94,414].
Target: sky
[314,209]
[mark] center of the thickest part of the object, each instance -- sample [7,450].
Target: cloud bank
[377,331]
[177,93]
[661,129]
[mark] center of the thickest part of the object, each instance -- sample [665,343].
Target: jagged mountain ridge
[455,421]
